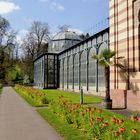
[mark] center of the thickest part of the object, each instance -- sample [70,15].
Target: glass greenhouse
[69,65]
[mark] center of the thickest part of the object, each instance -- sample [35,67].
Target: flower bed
[90,121]
[32,96]
[97,123]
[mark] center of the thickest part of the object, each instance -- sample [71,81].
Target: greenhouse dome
[63,40]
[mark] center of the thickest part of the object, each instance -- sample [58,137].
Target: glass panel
[61,73]
[83,68]
[92,70]
[101,71]
[76,69]
[65,72]
[71,70]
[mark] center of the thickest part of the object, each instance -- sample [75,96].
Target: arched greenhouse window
[70,73]
[65,72]
[101,79]
[76,71]
[61,74]
[92,70]
[83,69]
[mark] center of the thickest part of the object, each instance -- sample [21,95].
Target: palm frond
[96,56]
[121,57]
[108,53]
[104,62]
[119,65]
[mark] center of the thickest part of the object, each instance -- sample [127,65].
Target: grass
[69,132]
[72,96]
[32,96]
[55,113]
[63,128]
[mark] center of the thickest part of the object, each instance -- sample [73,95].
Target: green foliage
[66,130]
[72,96]
[14,74]
[107,57]
[45,100]
[0,88]
[75,121]
[93,122]
[33,96]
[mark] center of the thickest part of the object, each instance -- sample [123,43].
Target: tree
[7,45]
[106,59]
[14,74]
[4,26]
[37,36]
[35,42]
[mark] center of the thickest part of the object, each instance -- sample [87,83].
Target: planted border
[90,121]
[33,96]
[74,121]
[62,127]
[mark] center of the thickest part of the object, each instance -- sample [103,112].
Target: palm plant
[106,59]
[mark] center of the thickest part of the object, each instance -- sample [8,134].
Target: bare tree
[37,36]
[35,40]
[4,25]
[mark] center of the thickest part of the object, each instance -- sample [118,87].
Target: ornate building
[125,40]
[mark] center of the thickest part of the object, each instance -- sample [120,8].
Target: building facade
[69,65]
[125,40]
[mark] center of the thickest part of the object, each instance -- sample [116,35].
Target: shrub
[31,95]
[0,88]
[45,100]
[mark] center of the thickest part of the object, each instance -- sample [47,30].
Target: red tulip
[105,124]
[117,134]
[122,129]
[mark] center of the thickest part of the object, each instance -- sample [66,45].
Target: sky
[81,15]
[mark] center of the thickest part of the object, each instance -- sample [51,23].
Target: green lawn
[74,97]
[63,128]
[69,132]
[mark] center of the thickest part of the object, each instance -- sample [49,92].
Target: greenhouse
[68,63]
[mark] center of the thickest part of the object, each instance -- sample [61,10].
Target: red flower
[134,119]
[113,120]
[100,110]
[117,134]
[99,119]
[122,129]
[105,124]
[121,121]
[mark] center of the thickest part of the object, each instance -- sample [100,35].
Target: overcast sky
[80,14]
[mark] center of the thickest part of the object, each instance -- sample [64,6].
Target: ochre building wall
[125,40]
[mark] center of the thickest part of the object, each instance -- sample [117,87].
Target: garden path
[19,121]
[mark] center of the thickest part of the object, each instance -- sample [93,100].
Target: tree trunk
[107,86]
